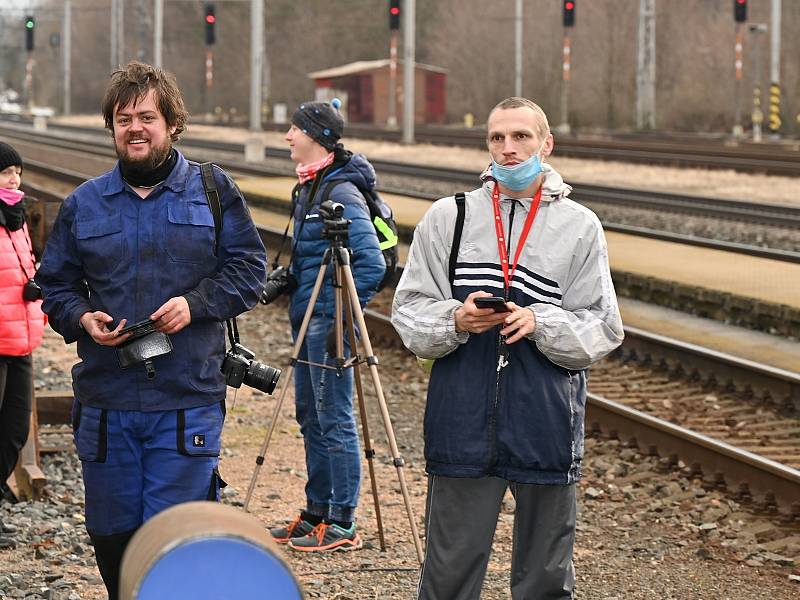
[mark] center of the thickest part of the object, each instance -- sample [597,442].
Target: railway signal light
[210,20]
[740,11]
[394,14]
[569,13]
[30,25]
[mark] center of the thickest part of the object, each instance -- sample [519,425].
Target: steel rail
[773,214]
[768,158]
[780,383]
[773,159]
[782,214]
[742,472]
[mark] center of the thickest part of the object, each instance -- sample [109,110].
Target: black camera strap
[233,331]
[309,203]
[16,252]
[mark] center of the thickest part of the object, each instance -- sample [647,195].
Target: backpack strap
[212,197]
[329,189]
[460,206]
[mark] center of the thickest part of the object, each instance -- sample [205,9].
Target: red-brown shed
[363,88]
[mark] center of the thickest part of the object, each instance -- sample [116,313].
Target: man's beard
[142,166]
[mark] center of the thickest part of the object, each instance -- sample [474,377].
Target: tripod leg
[369,452]
[372,363]
[288,379]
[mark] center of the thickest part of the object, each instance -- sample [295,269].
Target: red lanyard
[501,241]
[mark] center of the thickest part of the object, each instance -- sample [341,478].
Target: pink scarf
[11,197]
[308,172]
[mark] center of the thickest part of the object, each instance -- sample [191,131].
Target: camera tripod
[346,303]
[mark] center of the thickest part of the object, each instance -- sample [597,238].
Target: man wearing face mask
[507,392]
[138,243]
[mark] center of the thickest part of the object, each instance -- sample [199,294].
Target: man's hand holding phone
[474,319]
[96,325]
[482,311]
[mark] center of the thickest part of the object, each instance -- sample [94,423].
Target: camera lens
[262,377]
[272,290]
[280,281]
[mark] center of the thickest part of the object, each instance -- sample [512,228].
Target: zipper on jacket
[499,356]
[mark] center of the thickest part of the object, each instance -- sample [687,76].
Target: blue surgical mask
[518,177]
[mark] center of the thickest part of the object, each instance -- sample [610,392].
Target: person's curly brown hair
[131,84]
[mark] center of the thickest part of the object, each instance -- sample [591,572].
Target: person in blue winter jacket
[324,397]
[139,242]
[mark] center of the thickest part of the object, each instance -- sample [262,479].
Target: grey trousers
[460,520]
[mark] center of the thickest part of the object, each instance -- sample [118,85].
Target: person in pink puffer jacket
[21,320]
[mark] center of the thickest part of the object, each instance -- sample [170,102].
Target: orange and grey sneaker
[327,537]
[297,528]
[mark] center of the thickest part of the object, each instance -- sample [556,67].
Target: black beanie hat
[320,121]
[9,157]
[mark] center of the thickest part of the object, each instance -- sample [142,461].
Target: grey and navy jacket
[523,422]
[112,251]
[352,171]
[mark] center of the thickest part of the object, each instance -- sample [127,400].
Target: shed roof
[362,66]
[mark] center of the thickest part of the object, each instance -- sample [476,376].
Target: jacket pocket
[199,429]
[90,429]
[190,235]
[100,241]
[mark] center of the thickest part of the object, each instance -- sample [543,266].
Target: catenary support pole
[256,61]
[646,66]
[518,49]
[409,62]
[775,70]
[158,34]
[113,44]
[66,51]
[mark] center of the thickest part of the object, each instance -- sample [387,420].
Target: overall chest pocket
[100,241]
[190,233]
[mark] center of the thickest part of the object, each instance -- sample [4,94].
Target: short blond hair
[542,126]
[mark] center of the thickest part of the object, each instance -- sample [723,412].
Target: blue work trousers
[324,403]
[136,464]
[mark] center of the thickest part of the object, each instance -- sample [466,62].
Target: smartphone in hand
[494,302]
[139,329]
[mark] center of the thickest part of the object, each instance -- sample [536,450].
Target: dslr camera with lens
[280,281]
[240,367]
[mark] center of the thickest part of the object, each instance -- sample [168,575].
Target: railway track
[775,215]
[741,435]
[733,422]
[677,150]
[772,159]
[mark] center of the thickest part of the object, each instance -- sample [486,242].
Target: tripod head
[334,226]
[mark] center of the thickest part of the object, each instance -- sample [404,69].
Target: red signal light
[394,14]
[740,11]
[568,8]
[211,19]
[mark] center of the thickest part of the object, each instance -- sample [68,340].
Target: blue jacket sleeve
[241,262]
[61,278]
[367,261]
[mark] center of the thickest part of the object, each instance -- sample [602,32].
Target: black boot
[108,551]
